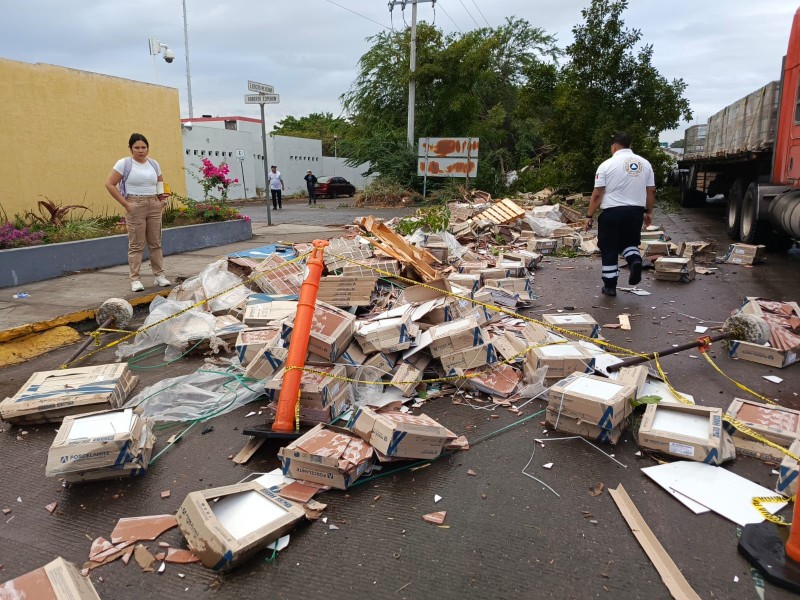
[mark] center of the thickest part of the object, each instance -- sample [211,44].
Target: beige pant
[144,226]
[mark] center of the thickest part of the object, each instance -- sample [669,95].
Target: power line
[447,14]
[358,14]
[480,11]
[469,13]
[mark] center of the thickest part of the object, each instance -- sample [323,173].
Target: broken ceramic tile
[437,518]
[134,529]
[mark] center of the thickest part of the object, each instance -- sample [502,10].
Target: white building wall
[293,157]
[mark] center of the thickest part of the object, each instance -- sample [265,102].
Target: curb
[69,319]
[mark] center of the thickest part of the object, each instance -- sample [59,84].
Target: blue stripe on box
[123,455]
[224,561]
[787,476]
[595,331]
[404,337]
[606,420]
[712,458]
[351,423]
[491,355]
[477,339]
[590,366]
[732,347]
[397,437]
[285,464]
[242,351]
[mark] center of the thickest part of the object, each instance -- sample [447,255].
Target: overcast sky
[308,49]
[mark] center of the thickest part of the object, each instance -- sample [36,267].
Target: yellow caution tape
[131,334]
[759,501]
[741,386]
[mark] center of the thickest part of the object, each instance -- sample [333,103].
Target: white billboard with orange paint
[448,157]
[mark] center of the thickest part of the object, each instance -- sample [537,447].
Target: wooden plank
[671,575]
[625,321]
[396,247]
[250,448]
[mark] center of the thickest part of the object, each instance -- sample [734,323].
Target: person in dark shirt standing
[311,184]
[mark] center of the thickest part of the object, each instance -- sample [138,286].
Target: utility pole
[188,70]
[412,84]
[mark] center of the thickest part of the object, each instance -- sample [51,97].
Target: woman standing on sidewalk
[137,184]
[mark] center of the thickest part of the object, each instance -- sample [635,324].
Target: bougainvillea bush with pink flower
[12,236]
[215,178]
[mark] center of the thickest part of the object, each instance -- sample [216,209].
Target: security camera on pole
[157,48]
[265,95]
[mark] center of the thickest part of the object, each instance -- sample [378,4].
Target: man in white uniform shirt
[275,187]
[625,189]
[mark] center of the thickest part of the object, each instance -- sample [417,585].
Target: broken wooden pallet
[503,211]
[395,246]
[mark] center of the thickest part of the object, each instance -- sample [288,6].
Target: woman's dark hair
[137,137]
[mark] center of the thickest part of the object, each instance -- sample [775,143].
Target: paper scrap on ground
[772,378]
[666,478]
[700,329]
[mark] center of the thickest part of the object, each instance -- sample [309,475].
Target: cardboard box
[316,389]
[656,235]
[346,291]
[744,254]
[787,472]
[469,281]
[561,360]
[315,414]
[387,335]
[331,331]
[469,358]
[268,361]
[520,285]
[655,248]
[327,455]
[702,253]
[596,400]
[513,267]
[499,381]
[372,267]
[250,342]
[529,259]
[582,323]
[400,435]
[406,378]
[450,337]
[777,424]
[765,355]
[542,245]
[264,313]
[57,580]
[496,296]
[49,396]
[582,428]
[275,275]
[674,269]
[103,445]
[687,432]
[226,525]
[633,376]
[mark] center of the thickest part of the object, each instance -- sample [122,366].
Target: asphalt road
[507,536]
[327,211]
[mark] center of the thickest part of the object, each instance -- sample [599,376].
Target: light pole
[186,50]
[335,153]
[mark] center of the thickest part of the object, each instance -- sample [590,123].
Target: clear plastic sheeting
[420,239]
[542,227]
[212,280]
[176,332]
[206,393]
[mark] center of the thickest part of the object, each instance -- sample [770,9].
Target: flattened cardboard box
[744,254]
[777,424]
[450,337]
[226,525]
[787,472]
[316,389]
[387,335]
[57,580]
[251,341]
[585,429]
[109,444]
[327,455]
[687,432]
[400,435]
[582,323]
[49,396]
[561,360]
[596,400]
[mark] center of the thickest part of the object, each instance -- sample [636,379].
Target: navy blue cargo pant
[619,231]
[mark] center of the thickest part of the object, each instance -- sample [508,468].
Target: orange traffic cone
[298,347]
[793,543]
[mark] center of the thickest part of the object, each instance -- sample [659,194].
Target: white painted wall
[293,157]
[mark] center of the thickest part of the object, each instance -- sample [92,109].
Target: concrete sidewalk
[74,298]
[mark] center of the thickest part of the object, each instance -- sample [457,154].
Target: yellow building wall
[62,130]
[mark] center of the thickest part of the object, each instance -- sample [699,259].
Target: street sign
[262,99]
[447,167]
[449,147]
[240,154]
[261,88]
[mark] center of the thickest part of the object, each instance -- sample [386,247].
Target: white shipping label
[681,449]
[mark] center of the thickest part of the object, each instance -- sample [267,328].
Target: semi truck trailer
[750,153]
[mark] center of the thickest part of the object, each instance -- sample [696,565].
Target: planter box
[37,263]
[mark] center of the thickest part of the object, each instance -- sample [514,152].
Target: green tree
[318,126]
[468,84]
[608,85]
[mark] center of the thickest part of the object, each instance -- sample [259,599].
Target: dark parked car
[334,186]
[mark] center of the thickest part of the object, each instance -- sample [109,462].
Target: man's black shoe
[636,273]
[609,291]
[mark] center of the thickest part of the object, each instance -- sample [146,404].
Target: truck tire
[734,214]
[751,229]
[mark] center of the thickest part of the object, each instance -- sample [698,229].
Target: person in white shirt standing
[137,184]
[625,189]
[275,187]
